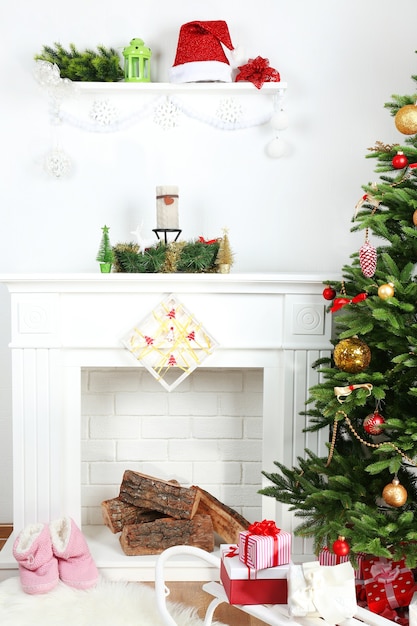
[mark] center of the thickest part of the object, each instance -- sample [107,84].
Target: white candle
[167,207]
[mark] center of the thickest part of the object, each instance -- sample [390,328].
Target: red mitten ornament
[367,259]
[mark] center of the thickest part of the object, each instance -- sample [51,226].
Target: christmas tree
[361,496]
[105,252]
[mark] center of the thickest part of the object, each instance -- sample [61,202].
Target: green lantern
[137,62]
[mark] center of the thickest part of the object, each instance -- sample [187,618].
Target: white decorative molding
[308,320]
[33,318]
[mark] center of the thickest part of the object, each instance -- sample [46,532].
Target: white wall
[342,61]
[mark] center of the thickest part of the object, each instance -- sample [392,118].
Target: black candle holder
[165,232]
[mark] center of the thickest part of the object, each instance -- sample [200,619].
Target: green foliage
[191,257]
[341,493]
[101,65]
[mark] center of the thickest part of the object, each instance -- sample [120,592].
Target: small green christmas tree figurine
[364,488]
[105,255]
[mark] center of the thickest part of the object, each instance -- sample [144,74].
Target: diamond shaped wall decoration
[170,342]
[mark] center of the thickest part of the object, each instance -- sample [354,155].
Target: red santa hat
[200,54]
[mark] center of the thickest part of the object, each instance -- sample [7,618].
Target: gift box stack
[255,571]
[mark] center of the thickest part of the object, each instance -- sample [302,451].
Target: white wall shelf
[240,88]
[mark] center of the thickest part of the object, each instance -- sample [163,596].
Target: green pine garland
[186,257]
[102,65]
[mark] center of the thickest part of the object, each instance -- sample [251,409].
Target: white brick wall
[207,432]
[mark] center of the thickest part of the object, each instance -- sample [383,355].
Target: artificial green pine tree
[105,252]
[341,493]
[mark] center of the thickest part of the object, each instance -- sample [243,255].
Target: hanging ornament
[406,119]
[329,293]
[386,291]
[279,120]
[400,160]
[341,547]
[372,423]
[352,355]
[367,258]
[415,218]
[394,494]
[276,148]
[57,163]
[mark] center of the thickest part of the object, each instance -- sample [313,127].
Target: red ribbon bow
[233,551]
[258,72]
[266,528]
[384,572]
[209,242]
[339,303]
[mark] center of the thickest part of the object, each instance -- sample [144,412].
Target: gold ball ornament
[394,494]
[386,291]
[415,218]
[406,119]
[352,355]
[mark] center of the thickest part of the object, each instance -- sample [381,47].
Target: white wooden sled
[273,614]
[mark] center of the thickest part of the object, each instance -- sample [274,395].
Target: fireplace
[63,325]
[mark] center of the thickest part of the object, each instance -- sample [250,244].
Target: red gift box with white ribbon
[264,545]
[244,585]
[388,584]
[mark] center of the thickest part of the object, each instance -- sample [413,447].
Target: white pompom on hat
[200,55]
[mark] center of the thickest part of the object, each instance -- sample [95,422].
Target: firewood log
[116,514]
[227,522]
[154,537]
[152,493]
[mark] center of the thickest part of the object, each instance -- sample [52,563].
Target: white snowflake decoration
[166,115]
[229,111]
[103,113]
[48,75]
[57,163]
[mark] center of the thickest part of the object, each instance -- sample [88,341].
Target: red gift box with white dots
[388,584]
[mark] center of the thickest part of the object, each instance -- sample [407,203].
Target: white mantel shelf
[62,323]
[204,283]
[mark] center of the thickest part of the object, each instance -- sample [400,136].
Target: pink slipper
[38,568]
[75,563]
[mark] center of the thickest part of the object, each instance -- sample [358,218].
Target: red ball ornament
[400,160]
[329,293]
[372,423]
[341,547]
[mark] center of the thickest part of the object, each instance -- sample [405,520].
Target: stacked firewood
[153,514]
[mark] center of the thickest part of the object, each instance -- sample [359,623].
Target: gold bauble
[394,494]
[406,119]
[415,218]
[386,291]
[352,355]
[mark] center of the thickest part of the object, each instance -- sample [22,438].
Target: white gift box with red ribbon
[264,545]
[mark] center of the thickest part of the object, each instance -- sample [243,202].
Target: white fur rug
[108,604]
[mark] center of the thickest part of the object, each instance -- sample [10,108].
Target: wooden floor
[189,593]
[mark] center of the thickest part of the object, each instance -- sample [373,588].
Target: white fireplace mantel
[64,322]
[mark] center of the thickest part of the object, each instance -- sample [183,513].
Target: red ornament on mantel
[400,160]
[341,546]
